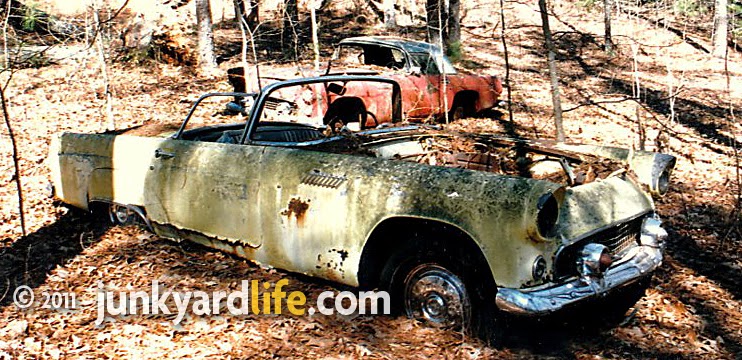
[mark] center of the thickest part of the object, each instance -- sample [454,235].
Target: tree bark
[453,36]
[721,28]
[206,58]
[435,12]
[247,12]
[507,62]
[289,36]
[390,18]
[16,162]
[551,50]
[608,7]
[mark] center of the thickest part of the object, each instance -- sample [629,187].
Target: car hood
[588,208]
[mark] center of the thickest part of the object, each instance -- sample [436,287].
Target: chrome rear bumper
[637,263]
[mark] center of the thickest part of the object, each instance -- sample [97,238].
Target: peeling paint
[298,208]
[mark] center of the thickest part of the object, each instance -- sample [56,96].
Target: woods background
[666,79]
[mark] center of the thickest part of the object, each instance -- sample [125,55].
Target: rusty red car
[431,87]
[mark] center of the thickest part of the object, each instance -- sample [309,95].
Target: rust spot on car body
[298,208]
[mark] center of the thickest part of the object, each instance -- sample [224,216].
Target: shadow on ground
[29,260]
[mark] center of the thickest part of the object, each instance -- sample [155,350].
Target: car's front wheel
[435,295]
[443,289]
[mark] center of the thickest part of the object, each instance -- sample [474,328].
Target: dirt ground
[693,308]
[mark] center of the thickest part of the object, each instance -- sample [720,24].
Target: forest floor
[693,308]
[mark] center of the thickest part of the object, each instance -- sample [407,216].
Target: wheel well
[466,98]
[99,205]
[401,234]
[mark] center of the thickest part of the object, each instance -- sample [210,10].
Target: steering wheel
[373,116]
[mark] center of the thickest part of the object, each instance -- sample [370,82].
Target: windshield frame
[179,134]
[257,109]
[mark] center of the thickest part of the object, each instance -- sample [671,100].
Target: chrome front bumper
[639,262]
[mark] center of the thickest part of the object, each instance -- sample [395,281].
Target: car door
[423,99]
[206,187]
[309,201]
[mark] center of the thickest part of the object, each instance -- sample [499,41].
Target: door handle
[162,154]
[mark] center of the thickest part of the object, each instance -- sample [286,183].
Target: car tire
[442,289]
[121,215]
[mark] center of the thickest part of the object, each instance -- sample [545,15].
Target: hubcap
[434,294]
[120,214]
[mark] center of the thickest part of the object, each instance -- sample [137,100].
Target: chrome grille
[618,239]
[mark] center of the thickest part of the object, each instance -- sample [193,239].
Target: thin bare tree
[315,45]
[16,162]
[101,50]
[289,36]
[608,14]
[247,11]
[435,14]
[507,60]
[245,30]
[551,55]
[734,218]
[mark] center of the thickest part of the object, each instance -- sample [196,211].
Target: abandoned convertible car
[459,227]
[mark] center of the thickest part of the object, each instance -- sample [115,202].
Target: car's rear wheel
[122,215]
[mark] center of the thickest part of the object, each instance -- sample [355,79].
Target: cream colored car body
[315,212]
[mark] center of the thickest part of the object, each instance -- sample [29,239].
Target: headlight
[594,260]
[661,179]
[652,233]
[548,214]
[663,182]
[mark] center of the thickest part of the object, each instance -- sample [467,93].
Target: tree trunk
[289,36]
[551,50]
[453,37]
[390,18]
[721,28]
[608,7]
[16,162]
[206,58]
[249,12]
[507,63]
[435,12]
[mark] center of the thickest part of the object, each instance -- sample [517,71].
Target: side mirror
[415,70]
[336,89]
